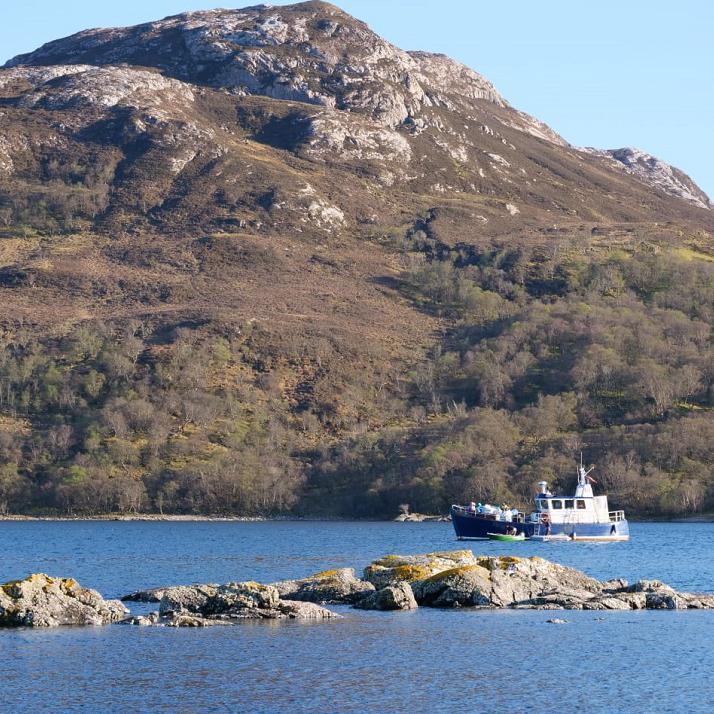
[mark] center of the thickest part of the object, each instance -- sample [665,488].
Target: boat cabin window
[581,504]
[569,503]
[557,504]
[543,505]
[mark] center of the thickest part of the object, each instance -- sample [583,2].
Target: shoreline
[169,518]
[190,518]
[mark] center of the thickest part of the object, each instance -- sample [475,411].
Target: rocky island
[448,579]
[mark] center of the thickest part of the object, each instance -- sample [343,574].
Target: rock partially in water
[189,598]
[152,595]
[327,587]
[460,579]
[42,601]
[285,609]
[393,597]
[232,602]
[296,610]
[143,620]
[467,585]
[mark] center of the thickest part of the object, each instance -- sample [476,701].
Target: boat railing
[616,516]
[489,515]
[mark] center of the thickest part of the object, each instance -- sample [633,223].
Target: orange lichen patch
[461,570]
[502,562]
[324,575]
[410,573]
[451,554]
[388,561]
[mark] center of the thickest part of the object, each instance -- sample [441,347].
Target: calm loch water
[423,661]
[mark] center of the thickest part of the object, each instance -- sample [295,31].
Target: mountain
[261,259]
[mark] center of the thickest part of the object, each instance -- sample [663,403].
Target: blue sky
[609,73]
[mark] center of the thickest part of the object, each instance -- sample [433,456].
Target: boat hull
[479,526]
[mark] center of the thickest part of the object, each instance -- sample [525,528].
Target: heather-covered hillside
[262,261]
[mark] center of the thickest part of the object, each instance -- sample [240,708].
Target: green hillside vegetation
[550,349]
[269,266]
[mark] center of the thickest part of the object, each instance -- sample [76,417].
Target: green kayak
[503,536]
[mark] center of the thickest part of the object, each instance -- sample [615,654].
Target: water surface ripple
[423,661]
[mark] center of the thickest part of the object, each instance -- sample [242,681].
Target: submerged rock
[392,597]
[42,601]
[329,586]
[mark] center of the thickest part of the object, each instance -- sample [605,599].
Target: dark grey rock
[393,597]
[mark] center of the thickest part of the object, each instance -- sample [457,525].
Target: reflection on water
[429,660]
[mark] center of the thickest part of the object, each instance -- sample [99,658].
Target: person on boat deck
[472,507]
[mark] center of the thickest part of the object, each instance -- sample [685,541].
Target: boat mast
[584,488]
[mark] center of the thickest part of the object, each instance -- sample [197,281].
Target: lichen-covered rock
[392,597]
[329,586]
[233,602]
[460,579]
[467,585]
[392,569]
[42,601]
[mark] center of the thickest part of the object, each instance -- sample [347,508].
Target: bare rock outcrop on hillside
[656,173]
[42,601]
[341,62]
[310,79]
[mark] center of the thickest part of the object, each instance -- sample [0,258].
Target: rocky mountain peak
[310,52]
[414,118]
